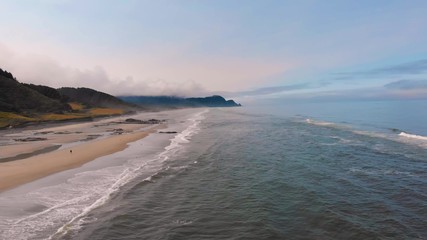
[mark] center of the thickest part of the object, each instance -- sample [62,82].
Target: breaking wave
[66,206]
[413,136]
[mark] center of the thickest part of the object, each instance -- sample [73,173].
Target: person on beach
[71,151]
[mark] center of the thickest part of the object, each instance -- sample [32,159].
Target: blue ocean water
[315,171]
[350,170]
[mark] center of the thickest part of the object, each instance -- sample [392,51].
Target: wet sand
[25,162]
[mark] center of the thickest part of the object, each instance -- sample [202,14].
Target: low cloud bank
[404,69]
[407,84]
[40,69]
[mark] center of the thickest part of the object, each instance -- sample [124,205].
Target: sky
[248,50]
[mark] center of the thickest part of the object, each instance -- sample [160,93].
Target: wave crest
[320,123]
[413,136]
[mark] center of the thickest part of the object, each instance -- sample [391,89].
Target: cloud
[407,84]
[362,94]
[397,90]
[277,89]
[162,71]
[43,70]
[411,68]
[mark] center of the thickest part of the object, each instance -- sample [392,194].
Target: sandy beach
[64,148]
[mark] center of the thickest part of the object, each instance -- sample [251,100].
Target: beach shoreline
[74,151]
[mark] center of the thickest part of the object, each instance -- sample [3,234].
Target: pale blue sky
[248,49]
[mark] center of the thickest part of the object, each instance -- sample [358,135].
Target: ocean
[348,170]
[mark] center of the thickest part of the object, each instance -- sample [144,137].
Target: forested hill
[22,103]
[22,98]
[93,98]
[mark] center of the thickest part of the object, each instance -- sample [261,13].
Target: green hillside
[92,98]
[22,103]
[19,98]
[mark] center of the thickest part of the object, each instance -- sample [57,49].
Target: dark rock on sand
[30,139]
[43,133]
[116,131]
[91,137]
[137,121]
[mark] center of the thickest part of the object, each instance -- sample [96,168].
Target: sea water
[350,170]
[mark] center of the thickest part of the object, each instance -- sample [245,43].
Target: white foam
[373,134]
[67,204]
[324,123]
[181,222]
[413,136]
[342,140]
[125,177]
[172,148]
[405,138]
[380,172]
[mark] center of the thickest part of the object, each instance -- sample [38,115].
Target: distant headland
[179,102]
